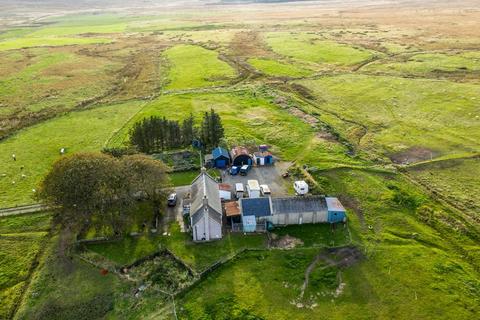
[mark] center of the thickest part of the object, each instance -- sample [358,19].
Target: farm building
[220,158]
[225,191]
[241,156]
[336,211]
[298,210]
[255,209]
[293,210]
[205,208]
[232,213]
[263,157]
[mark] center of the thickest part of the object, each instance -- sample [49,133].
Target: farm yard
[377,105]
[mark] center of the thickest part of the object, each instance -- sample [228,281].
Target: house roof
[220,152]
[258,207]
[333,204]
[205,187]
[232,209]
[298,204]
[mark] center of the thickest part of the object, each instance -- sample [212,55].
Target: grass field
[196,67]
[427,63]
[456,180]
[21,239]
[343,90]
[401,114]
[38,147]
[311,48]
[246,117]
[278,69]
[398,249]
[62,291]
[48,42]
[198,256]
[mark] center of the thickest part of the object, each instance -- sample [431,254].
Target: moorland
[379,101]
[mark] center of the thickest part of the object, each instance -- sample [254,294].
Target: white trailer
[239,190]
[253,189]
[301,187]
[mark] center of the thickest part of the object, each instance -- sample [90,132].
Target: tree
[148,178]
[86,187]
[188,131]
[81,184]
[212,130]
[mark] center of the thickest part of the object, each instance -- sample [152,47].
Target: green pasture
[45,41]
[21,238]
[246,116]
[408,269]
[196,67]
[275,68]
[310,48]
[198,256]
[25,223]
[427,63]
[63,290]
[316,235]
[52,82]
[37,147]
[456,180]
[399,114]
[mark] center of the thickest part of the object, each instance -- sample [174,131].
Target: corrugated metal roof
[232,209]
[225,186]
[218,152]
[298,205]
[333,204]
[236,151]
[258,207]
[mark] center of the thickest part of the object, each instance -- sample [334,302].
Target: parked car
[244,169]
[265,190]
[234,170]
[172,200]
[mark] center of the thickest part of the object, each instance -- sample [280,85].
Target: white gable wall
[206,229]
[215,229]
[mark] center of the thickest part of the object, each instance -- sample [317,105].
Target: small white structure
[265,190]
[225,191]
[205,208]
[301,187]
[253,189]
[239,190]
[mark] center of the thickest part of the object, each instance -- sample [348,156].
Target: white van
[301,187]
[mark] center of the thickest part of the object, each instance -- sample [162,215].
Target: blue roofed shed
[221,158]
[336,211]
[252,209]
[258,207]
